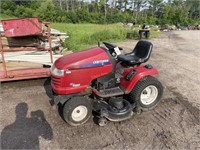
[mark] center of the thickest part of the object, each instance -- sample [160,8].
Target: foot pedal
[131,75]
[110,92]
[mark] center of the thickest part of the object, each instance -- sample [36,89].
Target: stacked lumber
[42,57]
[20,43]
[31,51]
[27,59]
[57,39]
[30,43]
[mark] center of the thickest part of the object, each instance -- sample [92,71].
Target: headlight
[56,72]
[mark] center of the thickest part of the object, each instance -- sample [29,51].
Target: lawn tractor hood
[94,57]
[75,72]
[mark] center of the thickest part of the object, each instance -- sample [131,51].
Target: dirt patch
[194,111]
[173,124]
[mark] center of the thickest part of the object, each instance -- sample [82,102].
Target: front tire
[147,93]
[102,121]
[77,111]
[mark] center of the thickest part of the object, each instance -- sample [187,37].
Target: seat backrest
[143,50]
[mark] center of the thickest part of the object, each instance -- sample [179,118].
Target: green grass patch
[154,33]
[83,36]
[4,17]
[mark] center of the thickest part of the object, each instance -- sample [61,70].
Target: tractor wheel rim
[149,95]
[79,113]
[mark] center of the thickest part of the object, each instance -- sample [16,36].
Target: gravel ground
[28,121]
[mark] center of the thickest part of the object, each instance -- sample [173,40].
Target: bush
[103,36]
[152,20]
[72,17]
[19,11]
[83,16]
[133,34]
[8,6]
[116,33]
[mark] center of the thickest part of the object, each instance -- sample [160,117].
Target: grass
[154,33]
[82,36]
[4,17]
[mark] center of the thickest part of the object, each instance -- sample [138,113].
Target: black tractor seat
[140,54]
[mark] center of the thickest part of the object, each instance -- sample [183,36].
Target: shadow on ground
[24,133]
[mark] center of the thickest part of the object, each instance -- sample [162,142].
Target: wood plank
[42,57]
[14,49]
[20,41]
[20,65]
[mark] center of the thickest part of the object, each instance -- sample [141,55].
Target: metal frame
[21,74]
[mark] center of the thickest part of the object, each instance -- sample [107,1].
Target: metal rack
[20,74]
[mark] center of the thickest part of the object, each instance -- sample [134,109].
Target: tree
[46,11]
[7,7]
[106,11]
[194,8]
[154,6]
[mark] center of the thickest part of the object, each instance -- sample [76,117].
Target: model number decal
[101,61]
[74,85]
[96,63]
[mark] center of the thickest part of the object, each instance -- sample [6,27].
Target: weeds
[82,36]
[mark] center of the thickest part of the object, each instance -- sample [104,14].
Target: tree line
[160,12]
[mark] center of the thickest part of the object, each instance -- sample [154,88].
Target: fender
[141,72]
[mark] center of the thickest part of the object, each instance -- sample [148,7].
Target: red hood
[83,59]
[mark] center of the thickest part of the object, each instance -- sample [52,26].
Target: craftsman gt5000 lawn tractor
[105,81]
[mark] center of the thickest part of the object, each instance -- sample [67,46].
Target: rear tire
[77,111]
[147,93]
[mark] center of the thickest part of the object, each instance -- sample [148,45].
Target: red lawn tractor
[103,80]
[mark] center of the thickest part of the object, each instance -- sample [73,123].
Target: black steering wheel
[111,48]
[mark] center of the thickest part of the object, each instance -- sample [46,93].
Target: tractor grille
[56,81]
